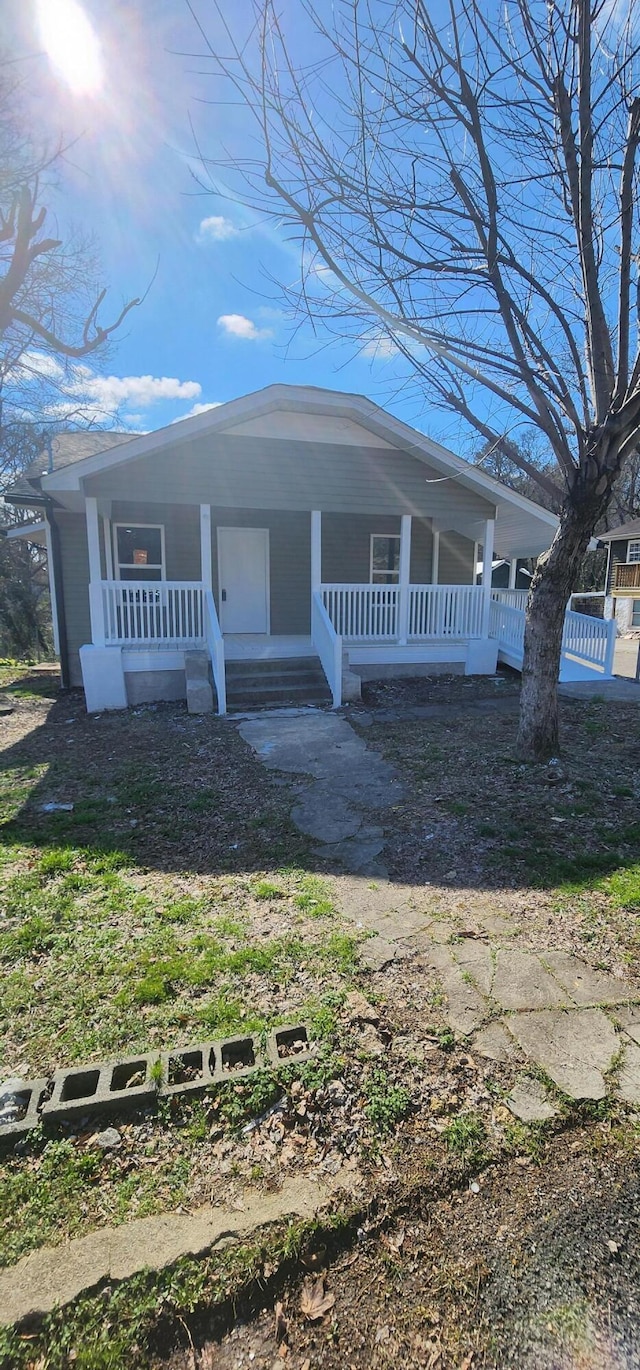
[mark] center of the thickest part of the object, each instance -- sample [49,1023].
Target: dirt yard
[175,900]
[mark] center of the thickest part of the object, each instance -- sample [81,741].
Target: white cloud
[238,326]
[77,392]
[197,409]
[111,392]
[216,229]
[380,348]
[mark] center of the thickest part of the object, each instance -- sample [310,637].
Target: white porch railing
[442,611]
[516,599]
[363,611]
[588,643]
[374,613]
[507,625]
[158,613]
[328,645]
[590,640]
[215,647]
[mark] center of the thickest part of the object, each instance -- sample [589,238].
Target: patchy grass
[169,905]
[466,1138]
[387,1103]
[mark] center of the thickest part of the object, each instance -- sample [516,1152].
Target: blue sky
[212,325]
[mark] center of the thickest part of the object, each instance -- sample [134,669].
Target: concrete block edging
[138,1081]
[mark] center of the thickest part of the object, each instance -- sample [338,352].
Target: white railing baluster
[153,612]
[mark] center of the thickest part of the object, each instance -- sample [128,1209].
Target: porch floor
[260,647]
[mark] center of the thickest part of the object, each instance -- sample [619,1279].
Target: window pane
[633,551]
[139,546]
[385,559]
[635,615]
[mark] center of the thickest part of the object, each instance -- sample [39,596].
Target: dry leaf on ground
[282,1326]
[315,1301]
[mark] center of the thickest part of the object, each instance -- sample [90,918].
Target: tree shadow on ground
[180,794]
[168,791]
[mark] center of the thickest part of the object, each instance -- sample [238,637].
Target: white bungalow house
[277,546]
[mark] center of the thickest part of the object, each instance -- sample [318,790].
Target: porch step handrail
[215,647]
[328,645]
[150,612]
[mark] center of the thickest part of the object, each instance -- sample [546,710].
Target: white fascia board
[31,532]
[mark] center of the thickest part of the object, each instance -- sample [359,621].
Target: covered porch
[143,621]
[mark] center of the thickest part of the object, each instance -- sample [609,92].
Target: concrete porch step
[272,666]
[268,684]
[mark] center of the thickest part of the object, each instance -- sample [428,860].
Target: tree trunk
[553,582]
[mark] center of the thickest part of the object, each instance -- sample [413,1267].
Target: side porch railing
[588,643]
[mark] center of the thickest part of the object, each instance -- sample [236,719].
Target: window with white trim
[633,550]
[139,551]
[385,559]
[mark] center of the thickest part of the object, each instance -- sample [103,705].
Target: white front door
[243,579]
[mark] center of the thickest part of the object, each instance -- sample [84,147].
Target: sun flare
[71,44]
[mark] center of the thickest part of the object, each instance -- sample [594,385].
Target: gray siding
[346,545]
[267,473]
[456,560]
[75,582]
[421,552]
[289,562]
[181,533]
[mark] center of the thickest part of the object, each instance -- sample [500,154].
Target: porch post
[205,546]
[108,549]
[404,574]
[513,571]
[487,562]
[316,550]
[435,556]
[96,609]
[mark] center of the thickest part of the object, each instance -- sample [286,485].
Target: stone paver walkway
[550,1009]
[340,781]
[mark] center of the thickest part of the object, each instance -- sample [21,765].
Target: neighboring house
[507,575]
[622,585]
[300,535]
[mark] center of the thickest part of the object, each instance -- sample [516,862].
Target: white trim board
[381,654]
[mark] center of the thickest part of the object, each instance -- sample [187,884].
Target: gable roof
[524,524]
[626,530]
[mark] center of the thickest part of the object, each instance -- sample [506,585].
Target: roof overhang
[523,527]
[28,532]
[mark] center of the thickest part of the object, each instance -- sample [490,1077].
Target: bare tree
[467,185]
[50,302]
